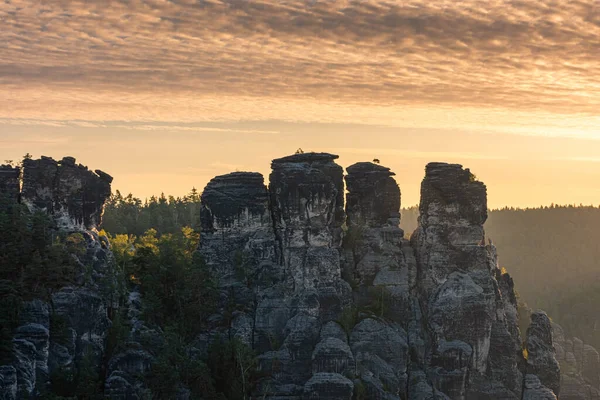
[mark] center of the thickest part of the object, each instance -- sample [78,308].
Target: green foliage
[175,366]
[59,329]
[353,237]
[381,301]
[360,391]
[34,263]
[117,334]
[130,216]
[233,367]
[172,277]
[10,302]
[88,384]
[62,381]
[348,319]
[83,382]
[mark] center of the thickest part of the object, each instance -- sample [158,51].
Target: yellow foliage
[149,240]
[525,354]
[504,271]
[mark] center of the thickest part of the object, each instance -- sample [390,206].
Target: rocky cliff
[579,367]
[338,305]
[69,326]
[315,276]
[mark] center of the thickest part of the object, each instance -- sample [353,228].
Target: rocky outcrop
[334,301]
[237,231]
[56,334]
[69,192]
[352,308]
[307,196]
[579,367]
[373,196]
[541,360]
[470,306]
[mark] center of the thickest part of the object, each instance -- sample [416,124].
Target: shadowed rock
[471,316]
[239,198]
[541,359]
[237,235]
[373,195]
[74,197]
[307,200]
[69,192]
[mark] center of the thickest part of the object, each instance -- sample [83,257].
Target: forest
[36,260]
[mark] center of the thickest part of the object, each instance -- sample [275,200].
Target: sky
[164,95]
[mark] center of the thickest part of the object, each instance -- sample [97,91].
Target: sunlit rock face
[68,191]
[9,183]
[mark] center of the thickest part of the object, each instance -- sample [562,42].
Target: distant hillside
[553,253]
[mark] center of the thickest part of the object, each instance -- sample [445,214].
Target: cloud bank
[516,54]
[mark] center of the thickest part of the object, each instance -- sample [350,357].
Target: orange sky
[164,95]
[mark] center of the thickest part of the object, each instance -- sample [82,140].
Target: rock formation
[334,300]
[579,367]
[75,198]
[337,303]
[69,192]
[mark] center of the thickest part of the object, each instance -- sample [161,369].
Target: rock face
[307,196]
[334,301]
[55,336]
[373,195]
[541,359]
[340,305]
[579,367]
[236,226]
[469,305]
[69,192]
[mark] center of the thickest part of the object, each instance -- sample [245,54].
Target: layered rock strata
[579,367]
[349,307]
[55,336]
[68,191]
[334,301]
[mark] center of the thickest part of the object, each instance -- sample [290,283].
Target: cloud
[518,54]
[428,155]
[130,126]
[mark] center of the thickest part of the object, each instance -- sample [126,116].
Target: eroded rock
[541,359]
[69,192]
